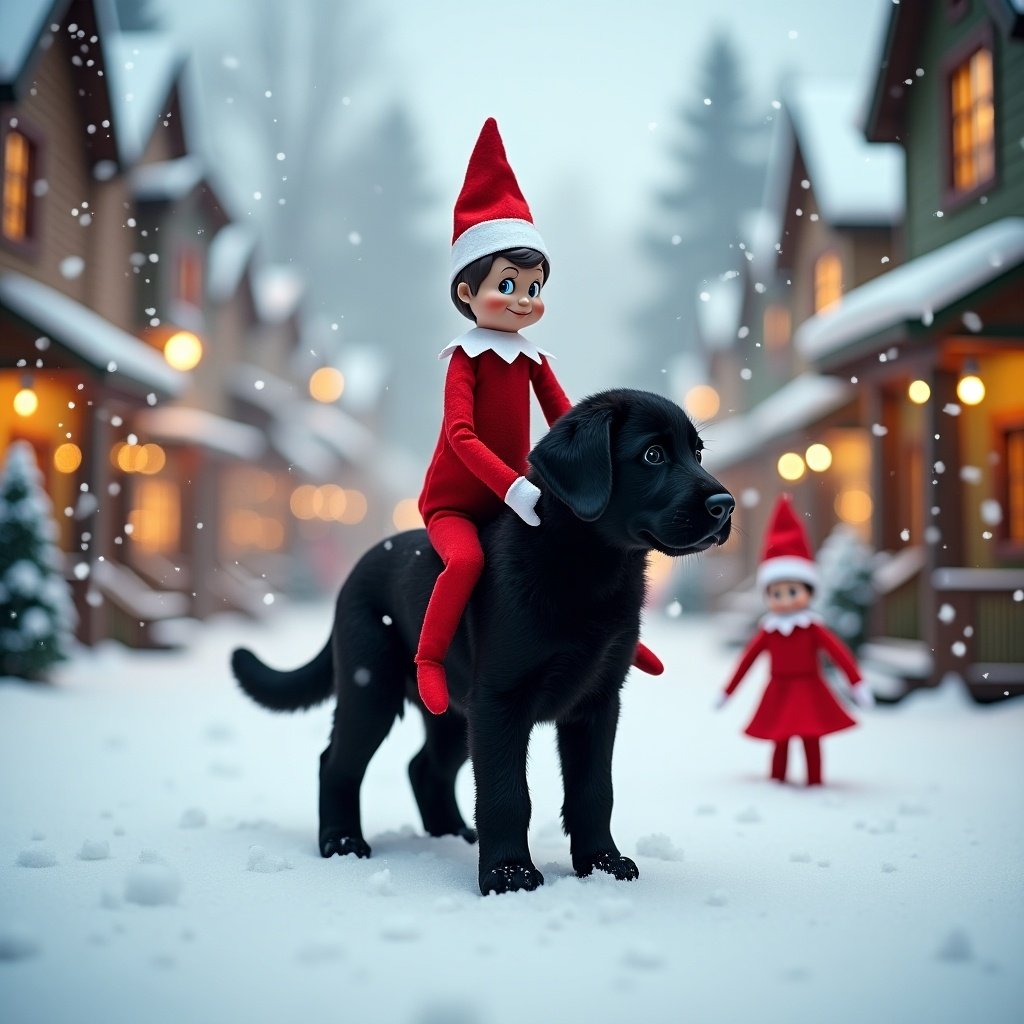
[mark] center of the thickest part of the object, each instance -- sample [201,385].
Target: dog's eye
[655,455]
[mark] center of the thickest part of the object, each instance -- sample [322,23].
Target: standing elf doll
[797,701]
[499,266]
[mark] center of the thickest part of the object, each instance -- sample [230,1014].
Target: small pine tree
[37,615]
[846,591]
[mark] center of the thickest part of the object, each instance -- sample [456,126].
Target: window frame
[29,246]
[834,252]
[982,38]
[1005,426]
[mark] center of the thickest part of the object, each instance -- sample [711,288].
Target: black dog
[548,636]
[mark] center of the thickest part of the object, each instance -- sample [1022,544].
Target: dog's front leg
[585,744]
[499,735]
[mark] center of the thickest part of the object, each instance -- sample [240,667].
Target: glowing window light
[790,466]
[819,457]
[407,515]
[26,401]
[183,350]
[326,384]
[919,392]
[854,506]
[702,402]
[67,458]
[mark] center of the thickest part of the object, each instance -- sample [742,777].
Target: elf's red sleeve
[460,428]
[754,648]
[838,652]
[552,398]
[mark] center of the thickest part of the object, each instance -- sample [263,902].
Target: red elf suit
[797,701]
[479,463]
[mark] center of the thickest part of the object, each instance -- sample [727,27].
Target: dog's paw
[469,834]
[511,877]
[332,843]
[614,864]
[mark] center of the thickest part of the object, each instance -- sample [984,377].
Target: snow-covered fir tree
[37,615]
[846,591]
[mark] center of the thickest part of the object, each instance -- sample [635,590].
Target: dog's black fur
[548,637]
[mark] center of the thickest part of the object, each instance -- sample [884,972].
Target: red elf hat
[787,554]
[491,214]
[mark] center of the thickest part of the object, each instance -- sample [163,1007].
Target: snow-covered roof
[277,291]
[230,251]
[21,24]
[855,182]
[175,423]
[917,290]
[97,341]
[142,68]
[795,406]
[168,181]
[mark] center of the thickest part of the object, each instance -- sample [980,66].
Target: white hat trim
[491,236]
[785,568]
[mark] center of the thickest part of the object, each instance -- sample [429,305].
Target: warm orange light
[326,384]
[790,466]
[970,390]
[26,401]
[702,402]
[331,503]
[355,508]
[131,458]
[854,506]
[183,350]
[152,459]
[919,392]
[67,458]
[301,502]
[407,515]
[819,457]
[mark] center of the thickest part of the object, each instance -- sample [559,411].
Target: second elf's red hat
[787,554]
[490,214]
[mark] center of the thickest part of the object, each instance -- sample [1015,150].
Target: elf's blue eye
[506,286]
[534,289]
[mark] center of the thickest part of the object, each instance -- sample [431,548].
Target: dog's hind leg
[370,683]
[432,773]
[585,747]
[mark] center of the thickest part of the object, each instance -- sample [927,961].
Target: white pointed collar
[506,344]
[785,624]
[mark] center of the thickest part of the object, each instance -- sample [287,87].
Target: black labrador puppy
[548,637]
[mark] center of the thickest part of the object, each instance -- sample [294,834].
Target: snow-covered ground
[158,861]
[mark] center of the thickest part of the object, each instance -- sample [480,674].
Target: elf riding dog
[499,265]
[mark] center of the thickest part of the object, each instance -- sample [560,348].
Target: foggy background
[341,130]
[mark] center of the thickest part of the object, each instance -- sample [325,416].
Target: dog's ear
[574,460]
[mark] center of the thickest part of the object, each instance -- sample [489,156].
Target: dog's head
[630,463]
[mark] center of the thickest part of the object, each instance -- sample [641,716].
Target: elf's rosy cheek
[538,307]
[495,302]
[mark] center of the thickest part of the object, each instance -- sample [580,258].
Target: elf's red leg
[455,540]
[647,661]
[780,756]
[812,748]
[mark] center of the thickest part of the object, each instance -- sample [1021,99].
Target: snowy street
[158,860]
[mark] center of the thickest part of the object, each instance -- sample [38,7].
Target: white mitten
[862,695]
[522,498]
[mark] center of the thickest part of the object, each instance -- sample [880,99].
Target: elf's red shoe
[647,661]
[433,686]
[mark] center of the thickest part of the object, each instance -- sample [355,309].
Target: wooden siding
[925,136]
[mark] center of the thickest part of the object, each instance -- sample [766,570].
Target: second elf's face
[786,597]
[508,298]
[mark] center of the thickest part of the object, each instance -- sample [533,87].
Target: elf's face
[787,597]
[508,298]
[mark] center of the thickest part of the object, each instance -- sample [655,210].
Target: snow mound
[659,846]
[644,957]
[37,857]
[193,817]
[380,883]
[151,883]
[400,929]
[265,863]
[94,849]
[956,947]
[16,944]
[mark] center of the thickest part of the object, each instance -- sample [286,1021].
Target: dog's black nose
[721,506]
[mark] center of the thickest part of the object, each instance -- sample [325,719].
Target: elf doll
[797,701]
[499,267]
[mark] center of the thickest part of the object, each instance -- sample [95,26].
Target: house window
[156,518]
[972,127]
[777,327]
[190,276]
[1015,485]
[828,281]
[17,171]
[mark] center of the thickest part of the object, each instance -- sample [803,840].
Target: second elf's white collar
[785,624]
[506,344]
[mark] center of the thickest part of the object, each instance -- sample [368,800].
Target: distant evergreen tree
[716,178]
[138,15]
[846,592]
[36,613]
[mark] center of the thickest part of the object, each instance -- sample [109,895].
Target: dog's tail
[284,691]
